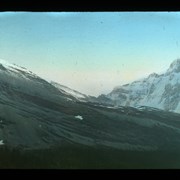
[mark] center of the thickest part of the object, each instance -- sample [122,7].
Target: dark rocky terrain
[41,127]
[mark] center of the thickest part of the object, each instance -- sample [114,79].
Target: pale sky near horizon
[91,52]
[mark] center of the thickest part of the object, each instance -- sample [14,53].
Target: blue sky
[91,51]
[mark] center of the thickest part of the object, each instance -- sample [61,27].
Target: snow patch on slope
[1,142]
[69,91]
[79,117]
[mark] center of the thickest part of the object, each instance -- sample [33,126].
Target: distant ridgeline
[157,90]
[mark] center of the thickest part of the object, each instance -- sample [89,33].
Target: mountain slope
[35,116]
[75,94]
[159,91]
[69,91]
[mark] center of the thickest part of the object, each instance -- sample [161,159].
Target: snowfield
[79,117]
[1,142]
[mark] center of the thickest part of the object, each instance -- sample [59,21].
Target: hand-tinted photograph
[89,90]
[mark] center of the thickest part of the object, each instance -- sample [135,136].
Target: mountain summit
[159,91]
[175,66]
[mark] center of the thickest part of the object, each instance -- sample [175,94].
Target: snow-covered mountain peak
[157,90]
[13,67]
[175,66]
[153,75]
